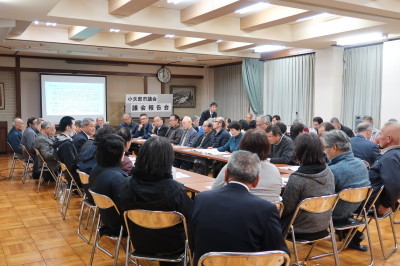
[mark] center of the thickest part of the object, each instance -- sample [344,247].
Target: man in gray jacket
[174,133]
[189,138]
[44,144]
[28,138]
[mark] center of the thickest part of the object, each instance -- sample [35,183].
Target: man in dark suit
[205,140]
[159,128]
[336,124]
[88,130]
[210,113]
[99,122]
[362,147]
[144,129]
[231,219]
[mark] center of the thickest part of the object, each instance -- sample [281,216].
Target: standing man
[15,135]
[281,146]
[144,129]
[210,113]
[231,219]
[132,125]
[99,122]
[159,128]
[220,136]
[336,123]
[175,131]
[44,144]
[362,147]
[88,130]
[64,149]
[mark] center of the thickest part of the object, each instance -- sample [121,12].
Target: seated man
[132,125]
[335,122]
[99,122]
[15,135]
[276,119]
[159,128]
[174,133]
[203,142]
[262,122]
[325,127]
[362,147]
[281,146]
[28,139]
[375,132]
[317,121]
[386,169]
[188,139]
[349,172]
[231,219]
[44,144]
[88,130]
[220,136]
[196,122]
[144,129]
[64,149]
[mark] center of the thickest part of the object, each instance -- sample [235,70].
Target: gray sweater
[300,187]
[282,152]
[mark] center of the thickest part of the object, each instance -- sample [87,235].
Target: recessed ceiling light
[115,30]
[218,41]
[52,24]
[36,22]
[174,1]
[324,15]
[362,39]
[169,35]
[252,8]
[268,48]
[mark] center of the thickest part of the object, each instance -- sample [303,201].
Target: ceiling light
[251,8]
[36,22]
[52,24]
[268,48]
[169,35]
[316,17]
[218,41]
[174,1]
[87,54]
[115,30]
[362,39]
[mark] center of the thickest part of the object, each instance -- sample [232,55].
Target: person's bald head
[390,135]
[186,122]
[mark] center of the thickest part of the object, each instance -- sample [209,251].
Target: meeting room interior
[233,65]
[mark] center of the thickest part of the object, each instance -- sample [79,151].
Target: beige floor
[33,233]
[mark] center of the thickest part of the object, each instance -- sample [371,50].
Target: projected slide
[77,96]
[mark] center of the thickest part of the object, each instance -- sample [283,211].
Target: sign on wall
[150,104]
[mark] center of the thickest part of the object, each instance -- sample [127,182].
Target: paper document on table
[291,168]
[181,175]
[227,156]
[140,140]
[179,146]
[215,152]
[284,181]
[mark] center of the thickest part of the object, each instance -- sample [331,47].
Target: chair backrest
[371,204]
[355,195]
[25,150]
[265,258]
[154,219]
[318,204]
[279,206]
[102,201]
[11,147]
[39,155]
[83,177]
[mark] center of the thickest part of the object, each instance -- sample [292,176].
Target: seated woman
[233,143]
[107,177]
[126,164]
[152,187]
[269,186]
[313,179]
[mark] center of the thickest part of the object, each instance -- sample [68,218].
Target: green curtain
[253,80]
[290,86]
[362,83]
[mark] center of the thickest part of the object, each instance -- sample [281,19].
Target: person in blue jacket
[233,143]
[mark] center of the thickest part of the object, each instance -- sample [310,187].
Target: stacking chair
[104,202]
[92,210]
[16,157]
[279,206]
[373,215]
[27,164]
[396,212]
[45,168]
[67,191]
[155,220]
[354,195]
[314,205]
[265,258]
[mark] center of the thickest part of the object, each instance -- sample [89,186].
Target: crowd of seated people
[237,213]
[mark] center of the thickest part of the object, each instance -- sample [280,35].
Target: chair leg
[40,179]
[95,242]
[127,252]
[93,223]
[334,245]
[58,185]
[121,231]
[66,201]
[294,246]
[311,249]
[369,239]
[386,256]
[80,222]
[11,174]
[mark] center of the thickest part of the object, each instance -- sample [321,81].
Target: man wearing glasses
[220,135]
[144,129]
[262,122]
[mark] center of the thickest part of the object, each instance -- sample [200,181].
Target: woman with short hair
[126,164]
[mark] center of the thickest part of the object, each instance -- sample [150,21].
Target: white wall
[328,83]
[390,98]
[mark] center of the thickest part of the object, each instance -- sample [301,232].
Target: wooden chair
[266,258]
[373,215]
[316,205]
[279,206]
[92,209]
[354,195]
[68,191]
[16,157]
[28,163]
[104,202]
[155,220]
[45,168]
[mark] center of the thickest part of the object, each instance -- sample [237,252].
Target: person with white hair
[15,135]
[361,145]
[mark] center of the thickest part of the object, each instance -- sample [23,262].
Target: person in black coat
[362,147]
[159,128]
[152,187]
[231,219]
[88,130]
[107,177]
[336,123]
[210,113]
